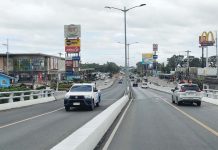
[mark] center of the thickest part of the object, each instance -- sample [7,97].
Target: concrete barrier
[88,136]
[25,103]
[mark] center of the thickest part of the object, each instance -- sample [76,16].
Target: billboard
[72,45]
[147,58]
[72,31]
[69,63]
[155,47]
[76,58]
[206,39]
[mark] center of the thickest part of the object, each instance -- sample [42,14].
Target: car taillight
[182,90]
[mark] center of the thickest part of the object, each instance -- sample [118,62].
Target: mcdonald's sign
[206,39]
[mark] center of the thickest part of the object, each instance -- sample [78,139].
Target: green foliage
[199,81]
[41,87]
[108,67]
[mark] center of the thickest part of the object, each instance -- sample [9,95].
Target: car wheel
[178,103]
[198,103]
[67,108]
[92,105]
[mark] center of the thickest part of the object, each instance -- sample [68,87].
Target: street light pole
[188,63]
[7,59]
[216,57]
[124,11]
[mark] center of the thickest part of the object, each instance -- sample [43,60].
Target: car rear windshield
[190,87]
[81,88]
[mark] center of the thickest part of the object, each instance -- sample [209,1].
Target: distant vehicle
[82,95]
[120,81]
[187,93]
[135,84]
[144,85]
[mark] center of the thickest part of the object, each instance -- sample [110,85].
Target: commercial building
[33,67]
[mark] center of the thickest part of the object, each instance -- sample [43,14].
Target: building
[5,80]
[33,67]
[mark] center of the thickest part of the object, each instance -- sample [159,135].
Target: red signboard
[69,63]
[72,49]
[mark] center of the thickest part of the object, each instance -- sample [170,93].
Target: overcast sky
[38,27]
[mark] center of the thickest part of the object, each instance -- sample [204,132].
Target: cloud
[37,26]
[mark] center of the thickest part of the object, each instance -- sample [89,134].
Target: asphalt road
[42,126]
[153,123]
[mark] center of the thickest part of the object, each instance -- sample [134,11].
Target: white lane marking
[115,129]
[7,125]
[192,118]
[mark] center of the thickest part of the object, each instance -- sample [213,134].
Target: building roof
[29,54]
[2,74]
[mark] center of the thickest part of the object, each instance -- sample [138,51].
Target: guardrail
[211,93]
[15,96]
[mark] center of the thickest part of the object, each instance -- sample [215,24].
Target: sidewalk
[167,89]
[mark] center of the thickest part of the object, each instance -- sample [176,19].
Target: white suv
[187,93]
[82,95]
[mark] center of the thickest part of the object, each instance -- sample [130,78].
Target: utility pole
[188,63]
[60,54]
[7,59]
[202,58]
[216,57]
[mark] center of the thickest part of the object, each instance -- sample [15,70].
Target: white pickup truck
[82,95]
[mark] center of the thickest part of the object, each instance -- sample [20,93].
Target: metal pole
[7,58]
[202,58]
[128,55]
[125,45]
[207,56]
[188,63]
[216,57]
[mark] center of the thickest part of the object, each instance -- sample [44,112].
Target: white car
[144,85]
[187,93]
[82,95]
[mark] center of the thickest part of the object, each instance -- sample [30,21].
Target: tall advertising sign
[72,34]
[207,39]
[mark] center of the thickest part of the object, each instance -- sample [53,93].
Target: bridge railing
[15,96]
[211,93]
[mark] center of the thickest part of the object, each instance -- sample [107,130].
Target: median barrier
[88,136]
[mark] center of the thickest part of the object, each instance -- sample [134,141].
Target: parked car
[187,93]
[82,95]
[144,85]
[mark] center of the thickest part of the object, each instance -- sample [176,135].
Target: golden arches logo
[207,39]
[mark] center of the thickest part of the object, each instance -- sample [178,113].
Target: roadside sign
[155,56]
[76,58]
[155,47]
[72,31]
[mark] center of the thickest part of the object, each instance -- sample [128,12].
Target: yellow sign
[206,39]
[72,42]
[147,55]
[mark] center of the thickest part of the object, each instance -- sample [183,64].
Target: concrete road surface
[152,122]
[42,126]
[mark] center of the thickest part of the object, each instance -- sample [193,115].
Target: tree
[175,60]
[212,61]
[195,62]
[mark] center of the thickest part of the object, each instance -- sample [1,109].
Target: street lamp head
[142,5]
[107,7]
